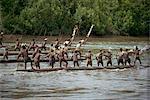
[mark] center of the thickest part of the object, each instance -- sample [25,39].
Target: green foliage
[54,17]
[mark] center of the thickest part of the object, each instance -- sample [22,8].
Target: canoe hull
[40,70]
[42,60]
[75,68]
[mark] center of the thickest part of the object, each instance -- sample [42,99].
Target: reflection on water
[73,85]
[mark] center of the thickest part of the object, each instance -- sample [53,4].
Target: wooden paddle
[90,31]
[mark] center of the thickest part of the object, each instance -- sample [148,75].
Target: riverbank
[27,38]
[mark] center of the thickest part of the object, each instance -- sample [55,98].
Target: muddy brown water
[123,84]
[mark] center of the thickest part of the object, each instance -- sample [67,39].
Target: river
[116,84]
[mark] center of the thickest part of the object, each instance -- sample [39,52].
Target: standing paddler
[99,58]
[44,44]
[31,46]
[36,50]
[75,58]
[89,58]
[56,44]
[51,57]
[67,42]
[120,57]
[17,45]
[5,54]
[24,54]
[108,55]
[126,57]
[137,55]
[37,59]
[62,57]
[66,50]
[77,49]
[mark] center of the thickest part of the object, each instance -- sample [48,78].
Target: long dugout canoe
[40,70]
[75,68]
[42,60]
[29,52]
[17,52]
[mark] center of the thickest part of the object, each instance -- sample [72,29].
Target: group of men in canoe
[56,49]
[59,53]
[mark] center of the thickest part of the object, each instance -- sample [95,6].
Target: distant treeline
[54,17]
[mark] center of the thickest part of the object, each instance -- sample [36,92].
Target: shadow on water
[48,92]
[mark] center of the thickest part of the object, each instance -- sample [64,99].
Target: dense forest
[54,17]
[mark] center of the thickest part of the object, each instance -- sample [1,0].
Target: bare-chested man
[56,44]
[36,50]
[126,57]
[51,56]
[137,55]
[120,57]
[99,58]
[5,55]
[78,48]
[44,44]
[37,59]
[82,41]
[89,58]
[67,42]
[17,45]
[62,58]
[24,54]
[66,50]
[75,58]
[108,55]
[31,46]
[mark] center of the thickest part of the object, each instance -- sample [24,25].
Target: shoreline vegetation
[55,17]
[27,38]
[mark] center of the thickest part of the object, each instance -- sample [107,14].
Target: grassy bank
[27,38]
